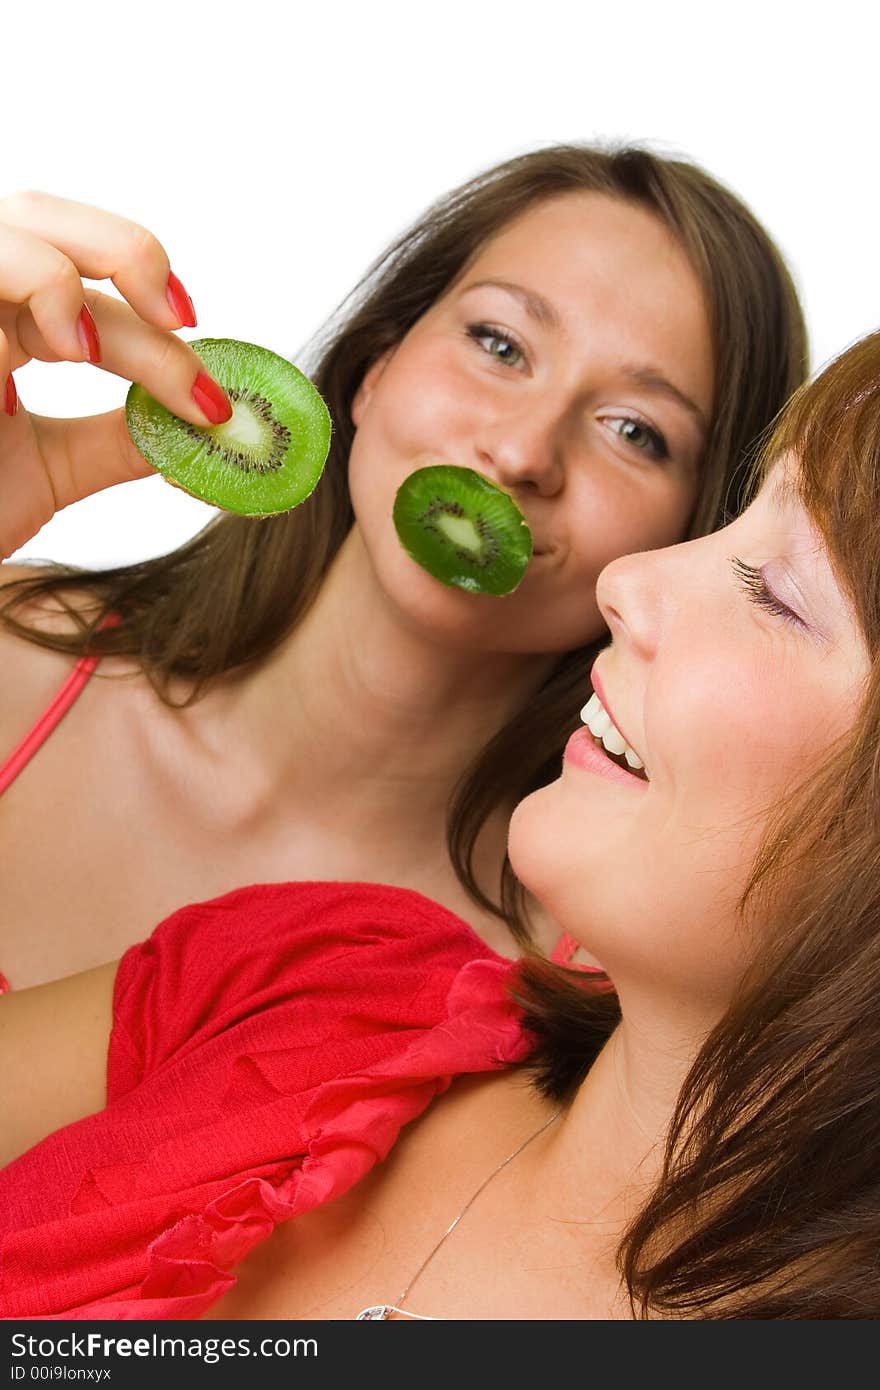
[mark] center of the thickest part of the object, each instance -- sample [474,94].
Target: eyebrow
[535,306]
[656,381]
[543,312]
[785,488]
[784,491]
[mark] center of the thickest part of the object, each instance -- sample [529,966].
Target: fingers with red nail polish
[88,336]
[180,302]
[211,400]
[10,397]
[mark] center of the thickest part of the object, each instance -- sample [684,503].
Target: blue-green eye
[640,435]
[501,346]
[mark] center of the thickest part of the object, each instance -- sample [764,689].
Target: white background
[275,149]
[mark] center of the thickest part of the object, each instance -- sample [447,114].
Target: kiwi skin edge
[273,456]
[463,530]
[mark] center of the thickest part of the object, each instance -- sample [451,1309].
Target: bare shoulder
[29,674]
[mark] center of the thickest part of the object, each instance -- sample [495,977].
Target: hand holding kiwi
[463,530]
[48,245]
[267,458]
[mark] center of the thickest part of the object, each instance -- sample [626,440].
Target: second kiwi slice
[267,458]
[463,529]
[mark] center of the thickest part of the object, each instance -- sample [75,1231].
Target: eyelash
[477,331]
[659,449]
[752,580]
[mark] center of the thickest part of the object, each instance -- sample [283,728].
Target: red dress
[266,1048]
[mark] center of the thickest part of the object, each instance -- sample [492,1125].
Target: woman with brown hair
[603,334]
[701,1139]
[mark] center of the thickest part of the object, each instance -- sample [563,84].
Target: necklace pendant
[378,1313]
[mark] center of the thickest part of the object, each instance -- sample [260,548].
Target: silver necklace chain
[380,1312]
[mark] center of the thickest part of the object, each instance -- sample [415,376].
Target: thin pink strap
[564,949]
[47,721]
[563,954]
[56,711]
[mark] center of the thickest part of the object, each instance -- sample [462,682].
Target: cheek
[610,514]
[404,426]
[418,398]
[647,515]
[741,742]
[731,752]
[603,523]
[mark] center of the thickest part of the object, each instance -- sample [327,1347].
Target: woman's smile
[586,751]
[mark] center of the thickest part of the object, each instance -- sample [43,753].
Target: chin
[447,619]
[427,606]
[530,843]
[551,851]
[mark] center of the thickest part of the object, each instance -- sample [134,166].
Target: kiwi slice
[463,529]
[267,458]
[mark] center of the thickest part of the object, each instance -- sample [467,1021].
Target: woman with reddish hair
[691,1134]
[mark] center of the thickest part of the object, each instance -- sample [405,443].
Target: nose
[522,448]
[640,595]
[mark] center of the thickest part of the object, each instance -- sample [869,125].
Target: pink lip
[583,751]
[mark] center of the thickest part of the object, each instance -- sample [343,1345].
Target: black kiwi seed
[269,463]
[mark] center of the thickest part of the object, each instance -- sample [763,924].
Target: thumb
[88,454]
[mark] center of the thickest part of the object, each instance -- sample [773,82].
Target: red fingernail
[88,336]
[210,400]
[180,302]
[10,403]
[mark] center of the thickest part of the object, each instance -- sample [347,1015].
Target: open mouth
[620,760]
[611,741]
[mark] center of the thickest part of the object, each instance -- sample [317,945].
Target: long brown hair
[769,1201]
[229,596]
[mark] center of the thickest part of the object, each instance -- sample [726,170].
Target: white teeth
[598,721]
[613,740]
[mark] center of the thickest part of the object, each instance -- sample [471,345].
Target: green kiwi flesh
[462,529]
[267,458]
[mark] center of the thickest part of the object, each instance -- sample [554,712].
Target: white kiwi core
[461,531]
[244,429]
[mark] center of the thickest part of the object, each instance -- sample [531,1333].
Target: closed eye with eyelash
[755,585]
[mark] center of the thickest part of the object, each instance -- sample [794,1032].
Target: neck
[360,709]
[413,711]
[604,1158]
[563,1204]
